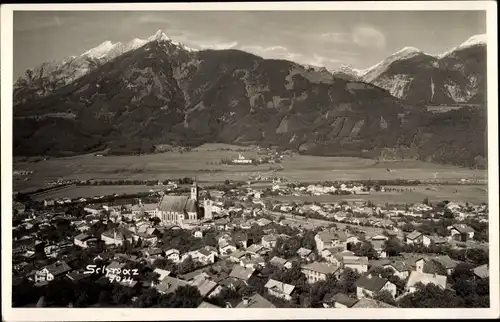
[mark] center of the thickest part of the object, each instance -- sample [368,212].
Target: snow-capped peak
[406,52]
[475,40]
[158,36]
[101,50]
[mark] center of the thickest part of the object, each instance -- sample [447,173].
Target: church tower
[194,191]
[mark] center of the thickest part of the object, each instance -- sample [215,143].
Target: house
[93,209]
[339,301]
[415,237]
[242,273]
[207,255]
[23,245]
[113,269]
[256,301]
[254,249]
[269,241]
[370,285]
[447,262]
[330,239]
[152,254]
[82,240]
[82,227]
[162,273]
[50,272]
[198,234]
[173,255]
[226,247]
[240,239]
[76,276]
[279,289]
[359,264]
[317,271]
[204,285]
[253,262]
[461,232]
[433,240]
[117,236]
[482,271]
[237,256]
[400,268]
[305,253]
[170,284]
[280,262]
[263,222]
[379,247]
[424,278]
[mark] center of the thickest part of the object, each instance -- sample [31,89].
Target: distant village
[234,246]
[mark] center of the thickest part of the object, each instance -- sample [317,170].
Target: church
[181,210]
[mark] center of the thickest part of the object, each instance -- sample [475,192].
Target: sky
[321,38]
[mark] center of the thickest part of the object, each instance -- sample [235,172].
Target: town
[233,245]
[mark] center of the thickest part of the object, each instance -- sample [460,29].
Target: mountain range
[456,76]
[132,97]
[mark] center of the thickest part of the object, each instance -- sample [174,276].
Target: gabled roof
[278,261]
[344,299]
[256,301]
[399,265]
[170,284]
[446,261]
[372,283]
[279,287]
[462,228]
[204,285]
[206,305]
[482,271]
[254,248]
[321,267]
[241,272]
[413,235]
[58,268]
[424,278]
[352,260]
[304,251]
[173,203]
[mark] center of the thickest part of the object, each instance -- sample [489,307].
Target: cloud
[272,52]
[367,36]
[337,37]
[320,61]
[218,46]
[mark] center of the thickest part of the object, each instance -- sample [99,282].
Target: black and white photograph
[238,157]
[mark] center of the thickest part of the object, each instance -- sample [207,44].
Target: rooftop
[372,283]
[321,267]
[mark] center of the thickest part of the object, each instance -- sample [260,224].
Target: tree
[82,300]
[348,281]
[393,247]
[386,297]
[430,296]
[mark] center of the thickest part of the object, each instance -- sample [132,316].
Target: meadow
[202,163]
[415,194]
[93,191]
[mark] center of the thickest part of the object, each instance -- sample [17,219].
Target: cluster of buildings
[236,258]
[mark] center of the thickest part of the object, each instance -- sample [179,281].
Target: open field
[94,191]
[462,193]
[173,165]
